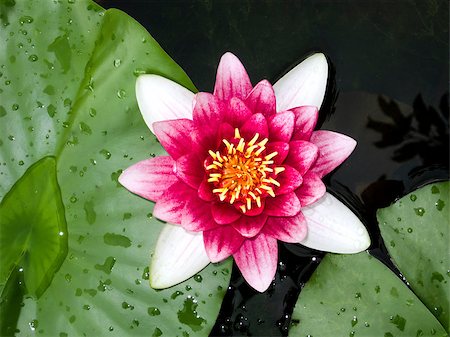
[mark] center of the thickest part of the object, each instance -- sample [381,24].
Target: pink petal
[334,148]
[175,136]
[290,179]
[226,131]
[281,126]
[255,124]
[287,229]
[149,178]
[236,113]
[281,148]
[231,79]
[224,213]
[207,110]
[305,122]
[257,260]
[197,215]
[170,205]
[302,155]
[221,242]
[249,226]
[282,205]
[262,99]
[311,190]
[205,192]
[189,168]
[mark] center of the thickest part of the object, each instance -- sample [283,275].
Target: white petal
[179,254]
[333,227]
[161,99]
[305,84]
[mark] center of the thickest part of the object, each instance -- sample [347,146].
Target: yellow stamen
[279,169]
[236,133]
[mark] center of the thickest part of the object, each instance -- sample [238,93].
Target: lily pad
[67,72]
[356,295]
[416,231]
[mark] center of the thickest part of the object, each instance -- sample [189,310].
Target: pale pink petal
[282,150]
[175,136]
[290,179]
[249,226]
[305,84]
[282,205]
[205,192]
[281,126]
[302,155]
[161,99]
[236,113]
[221,242]
[262,99]
[178,255]
[232,79]
[334,148]
[189,168]
[169,207]
[332,227]
[224,213]
[149,178]
[305,122]
[255,124]
[197,215]
[287,229]
[311,190]
[257,260]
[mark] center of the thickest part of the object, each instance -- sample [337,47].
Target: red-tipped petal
[282,205]
[232,79]
[205,192]
[290,179]
[302,155]
[236,113]
[170,205]
[207,110]
[224,213]
[197,215]
[190,169]
[311,190]
[281,126]
[149,178]
[262,99]
[221,242]
[255,124]
[257,260]
[334,148]
[282,150]
[249,226]
[287,229]
[175,136]
[305,122]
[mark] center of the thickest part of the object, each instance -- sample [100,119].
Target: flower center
[242,172]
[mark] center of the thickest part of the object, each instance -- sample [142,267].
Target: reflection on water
[391,79]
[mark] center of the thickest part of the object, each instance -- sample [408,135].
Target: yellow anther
[279,169]
[270,156]
[210,167]
[243,209]
[233,198]
[212,154]
[258,201]
[215,162]
[273,181]
[253,140]
[271,193]
[240,146]
[249,203]
[215,175]
[236,133]
[252,195]
[261,149]
[263,142]
[213,180]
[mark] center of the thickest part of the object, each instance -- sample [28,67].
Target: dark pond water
[388,90]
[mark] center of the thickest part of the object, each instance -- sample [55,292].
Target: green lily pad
[67,76]
[33,238]
[356,295]
[416,231]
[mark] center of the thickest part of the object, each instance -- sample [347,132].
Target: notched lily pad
[416,231]
[33,236]
[356,295]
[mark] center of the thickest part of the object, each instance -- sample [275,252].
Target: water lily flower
[244,169]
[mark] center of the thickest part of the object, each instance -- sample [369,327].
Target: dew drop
[15,107]
[354,321]
[409,230]
[21,163]
[121,93]
[153,311]
[25,19]
[440,204]
[117,63]
[92,112]
[198,278]
[420,211]
[413,197]
[33,58]
[105,153]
